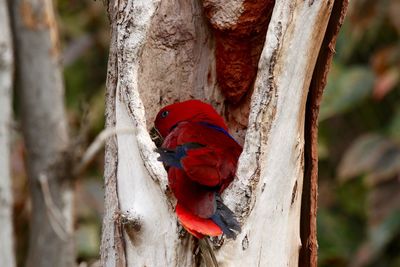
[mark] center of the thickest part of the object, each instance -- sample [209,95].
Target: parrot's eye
[164,114]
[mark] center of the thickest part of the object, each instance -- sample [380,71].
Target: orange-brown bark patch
[238,48]
[41,17]
[308,219]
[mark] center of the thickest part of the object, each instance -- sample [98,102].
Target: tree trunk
[44,123]
[167,51]
[7,254]
[308,220]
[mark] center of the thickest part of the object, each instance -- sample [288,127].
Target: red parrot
[201,159]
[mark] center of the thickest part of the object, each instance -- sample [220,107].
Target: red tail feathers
[195,225]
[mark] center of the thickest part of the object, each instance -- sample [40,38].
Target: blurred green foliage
[359,198]
[84,33]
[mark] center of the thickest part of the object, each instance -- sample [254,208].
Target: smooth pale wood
[267,194]
[7,255]
[271,168]
[141,180]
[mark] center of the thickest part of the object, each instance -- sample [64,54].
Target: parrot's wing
[172,157]
[207,154]
[202,166]
[215,163]
[200,163]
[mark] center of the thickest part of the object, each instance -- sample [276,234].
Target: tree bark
[7,254]
[308,220]
[44,124]
[165,51]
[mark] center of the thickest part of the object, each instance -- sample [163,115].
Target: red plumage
[201,158]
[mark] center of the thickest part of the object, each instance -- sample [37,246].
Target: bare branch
[95,147]
[56,218]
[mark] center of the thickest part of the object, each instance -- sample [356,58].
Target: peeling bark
[7,254]
[44,124]
[308,223]
[112,243]
[163,52]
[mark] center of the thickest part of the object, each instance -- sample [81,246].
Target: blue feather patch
[172,157]
[226,220]
[219,129]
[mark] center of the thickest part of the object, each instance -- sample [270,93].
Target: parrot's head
[191,110]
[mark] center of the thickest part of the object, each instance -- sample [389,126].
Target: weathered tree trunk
[44,123]
[7,254]
[166,51]
[308,220]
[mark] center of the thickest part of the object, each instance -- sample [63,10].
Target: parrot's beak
[156,136]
